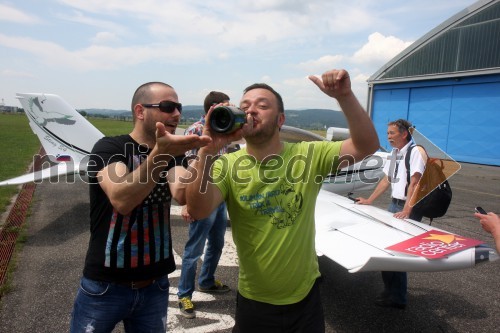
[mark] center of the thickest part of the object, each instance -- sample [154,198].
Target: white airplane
[66,136]
[355,236]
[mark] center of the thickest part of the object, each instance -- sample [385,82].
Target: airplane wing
[356,237]
[52,173]
[66,136]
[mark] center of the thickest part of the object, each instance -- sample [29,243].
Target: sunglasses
[165,106]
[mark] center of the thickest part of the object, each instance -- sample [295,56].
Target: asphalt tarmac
[51,260]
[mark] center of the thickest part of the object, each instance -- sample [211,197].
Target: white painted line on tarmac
[216,321]
[219,322]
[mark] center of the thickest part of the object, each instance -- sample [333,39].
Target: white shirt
[398,183]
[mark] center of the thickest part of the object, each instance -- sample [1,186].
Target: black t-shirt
[132,247]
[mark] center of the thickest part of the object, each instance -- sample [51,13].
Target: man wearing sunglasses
[132,180]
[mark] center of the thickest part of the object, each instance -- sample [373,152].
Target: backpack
[436,202]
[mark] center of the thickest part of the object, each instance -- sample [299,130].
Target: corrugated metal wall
[471,45]
[460,116]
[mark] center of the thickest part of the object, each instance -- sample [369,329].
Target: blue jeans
[99,306]
[212,229]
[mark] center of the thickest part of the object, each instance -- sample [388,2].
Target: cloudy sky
[95,53]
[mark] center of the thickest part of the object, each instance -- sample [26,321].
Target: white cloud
[347,19]
[218,44]
[361,64]
[231,24]
[376,52]
[115,6]
[223,55]
[11,14]
[266,78]
[379,49]
[360,78]
[297,82]
[12,73]
[302,91]
[279,5]
[104,37]
[232,30]
[79,17]
[319,65]
[97,57]
[44,49]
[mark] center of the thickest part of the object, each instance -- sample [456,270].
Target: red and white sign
[434,244]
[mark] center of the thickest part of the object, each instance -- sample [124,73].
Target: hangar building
[447,84]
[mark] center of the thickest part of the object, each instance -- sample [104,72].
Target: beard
[263,132]
[150,130]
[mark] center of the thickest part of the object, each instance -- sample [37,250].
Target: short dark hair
[143,93]
[403,125]
[281,107]
[214,97]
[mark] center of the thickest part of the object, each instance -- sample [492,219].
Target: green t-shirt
[271,206]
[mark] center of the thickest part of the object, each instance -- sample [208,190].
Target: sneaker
[218,287]
[187,307]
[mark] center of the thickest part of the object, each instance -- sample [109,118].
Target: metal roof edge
[476,72]
[441,28]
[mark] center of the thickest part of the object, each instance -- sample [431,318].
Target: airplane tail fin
[63,132]
[66,136]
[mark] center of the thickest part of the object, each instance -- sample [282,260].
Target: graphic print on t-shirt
[141,237]
[283,204]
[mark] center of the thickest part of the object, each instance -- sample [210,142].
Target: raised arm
[202,195]
[364,140]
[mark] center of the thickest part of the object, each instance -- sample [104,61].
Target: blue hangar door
[462,117]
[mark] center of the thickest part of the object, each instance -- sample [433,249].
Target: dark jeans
[396,283]
[304,316]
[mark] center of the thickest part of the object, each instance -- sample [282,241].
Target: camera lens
[227,119]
